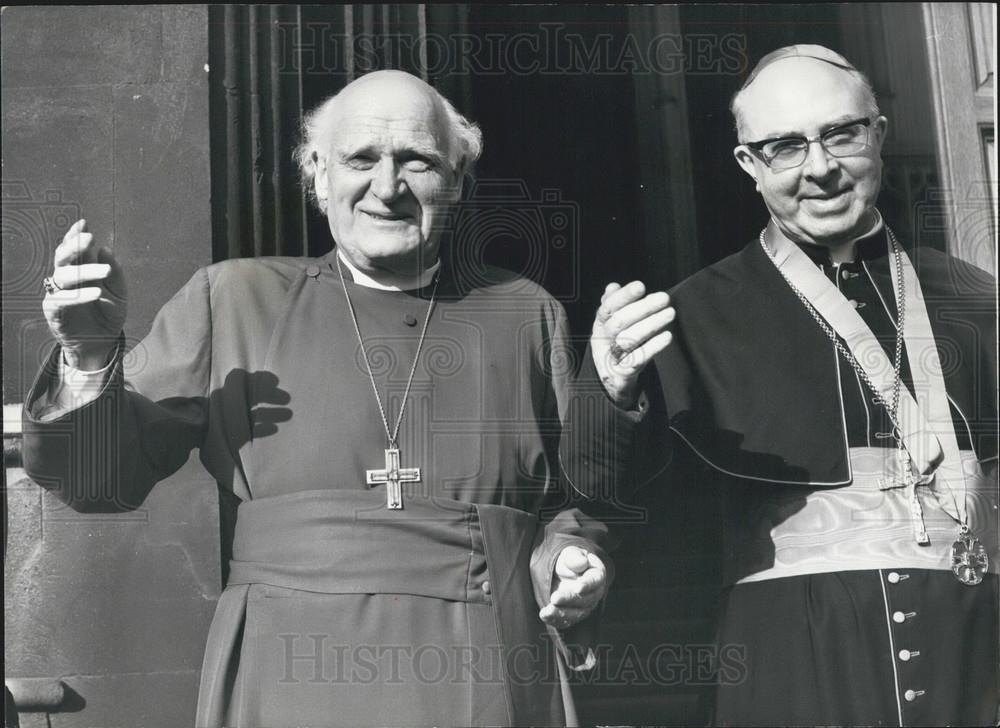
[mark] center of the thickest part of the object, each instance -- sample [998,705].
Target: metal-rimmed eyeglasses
[791,151]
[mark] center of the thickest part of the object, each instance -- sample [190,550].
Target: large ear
[320,182]
[879,129]
[459,171]
[747,161]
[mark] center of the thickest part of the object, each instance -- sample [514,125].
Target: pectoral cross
[391,476]
[906,479]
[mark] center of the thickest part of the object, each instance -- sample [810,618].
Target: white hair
[319,130]
[821,54]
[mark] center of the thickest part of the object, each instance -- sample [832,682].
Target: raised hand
[581,581]
[629,330]
[85,305]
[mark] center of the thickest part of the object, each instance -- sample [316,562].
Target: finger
[642,331]
[634,312]
[582,599]
[571,562]
[77,227]
[602,313]
[609,289]
[591,580]
[53,302]
[116,279]
[619,298]
[77,276]
[579,593]
[560,617]
[640,357]
[76,248]
[270,415]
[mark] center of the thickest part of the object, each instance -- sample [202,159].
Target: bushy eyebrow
[412,149]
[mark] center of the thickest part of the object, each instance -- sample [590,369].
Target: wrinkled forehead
[390,135]
[392,115]
[800,94]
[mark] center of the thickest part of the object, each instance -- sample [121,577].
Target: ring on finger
[50,286]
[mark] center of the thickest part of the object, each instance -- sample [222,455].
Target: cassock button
[912,695]
[904,655]
[893,577]
[410,320]
[313,271]
[486,587]
[898,617]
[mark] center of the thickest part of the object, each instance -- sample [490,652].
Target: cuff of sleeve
[61,388]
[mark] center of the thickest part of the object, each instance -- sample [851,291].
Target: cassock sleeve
[607,453]
[106,455]
[569,526]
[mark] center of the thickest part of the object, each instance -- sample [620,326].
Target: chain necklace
[891,405]
[968,556]
[905,478]
[392,475]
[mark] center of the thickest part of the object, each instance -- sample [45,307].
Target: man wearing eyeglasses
[840,388]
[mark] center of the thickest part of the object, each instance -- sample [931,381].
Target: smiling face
[827,200]
[389,172]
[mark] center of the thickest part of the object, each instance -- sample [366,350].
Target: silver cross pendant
[391,477]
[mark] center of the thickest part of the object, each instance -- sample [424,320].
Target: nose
[819,162]
[386,183]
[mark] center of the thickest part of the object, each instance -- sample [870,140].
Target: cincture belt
[347,542]
[797,531]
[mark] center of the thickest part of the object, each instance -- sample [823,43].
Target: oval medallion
[969,561]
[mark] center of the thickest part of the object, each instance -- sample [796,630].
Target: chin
[826,230]
[390,246]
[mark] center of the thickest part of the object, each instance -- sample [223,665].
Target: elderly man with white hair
[838,387]
[390,429]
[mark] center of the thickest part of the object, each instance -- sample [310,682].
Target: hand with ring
[85,299]
[629,330]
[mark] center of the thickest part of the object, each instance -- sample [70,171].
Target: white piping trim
[565,473]
[892,647]
[965,421]
[751,477]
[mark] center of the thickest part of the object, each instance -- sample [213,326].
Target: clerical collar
[396,283]
[865,245]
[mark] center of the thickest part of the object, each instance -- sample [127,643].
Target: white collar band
[391,282]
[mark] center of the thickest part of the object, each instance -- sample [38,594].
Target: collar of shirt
[395,283]
[866,246]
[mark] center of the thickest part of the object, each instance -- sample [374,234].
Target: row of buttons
[899,617]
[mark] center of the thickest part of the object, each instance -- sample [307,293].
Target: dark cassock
[349,602]
[853,596]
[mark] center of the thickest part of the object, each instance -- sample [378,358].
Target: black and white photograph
[418,364]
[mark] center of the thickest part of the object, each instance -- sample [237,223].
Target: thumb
[572,562]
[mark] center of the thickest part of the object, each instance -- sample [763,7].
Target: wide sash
[782,532]
[348,542]
[924,422]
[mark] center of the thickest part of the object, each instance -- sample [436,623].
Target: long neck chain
[413,368]
[891,405]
